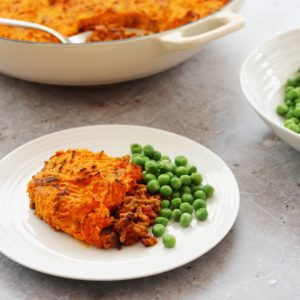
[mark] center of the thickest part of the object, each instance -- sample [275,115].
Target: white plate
[29,241]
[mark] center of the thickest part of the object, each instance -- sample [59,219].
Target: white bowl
[263,76]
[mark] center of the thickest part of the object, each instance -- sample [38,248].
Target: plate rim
[146,273]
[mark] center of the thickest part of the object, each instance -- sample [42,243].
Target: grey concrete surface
[200,99]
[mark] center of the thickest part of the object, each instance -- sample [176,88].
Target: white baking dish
[116,61]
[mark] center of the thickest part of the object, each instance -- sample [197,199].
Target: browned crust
[95,198]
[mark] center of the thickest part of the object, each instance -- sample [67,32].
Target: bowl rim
[124,41]
[244,87]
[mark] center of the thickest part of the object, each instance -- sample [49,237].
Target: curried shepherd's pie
[95,198]
[108,19]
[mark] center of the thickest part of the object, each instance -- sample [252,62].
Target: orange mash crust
[95,198]
[109,19]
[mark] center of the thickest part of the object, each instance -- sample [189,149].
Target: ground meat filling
[137,212]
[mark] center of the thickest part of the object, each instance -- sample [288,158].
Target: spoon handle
[18,23]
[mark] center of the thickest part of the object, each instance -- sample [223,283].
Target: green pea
[187,198]
[151,166]
[209,190]
[169,240]
[176,214]
[165,166]
[185,179]
[165,190]
[148,177]
[295,120]
[164,204]
[153,186]
[196,178]
[181,161]
[166,213]
[163,179]
[186,208]
[287,89]
[293,127]
[161,220]
[292,94]
[201,214]
[192,169]
[136,148]
[144,173]
[297,112]
[199,203]
[176,202]
[195,188]
[138,160]
[165,157]
[282,109]
[181,171]
[288,121]
[297,89]
[185,220]
[158,230]
[148,150]
[156,155]
[200,195]
[175,183]
[185,190]
[291,83]
[176,194]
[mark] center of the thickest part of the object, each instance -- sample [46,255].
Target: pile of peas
[180,187]
[290,110]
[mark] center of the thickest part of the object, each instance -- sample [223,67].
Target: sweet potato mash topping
[95,198]
[109,18]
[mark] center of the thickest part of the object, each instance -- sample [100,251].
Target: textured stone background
[200,99]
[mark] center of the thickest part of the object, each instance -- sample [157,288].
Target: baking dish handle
[219,25]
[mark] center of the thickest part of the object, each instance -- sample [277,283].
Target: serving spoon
[74,39]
